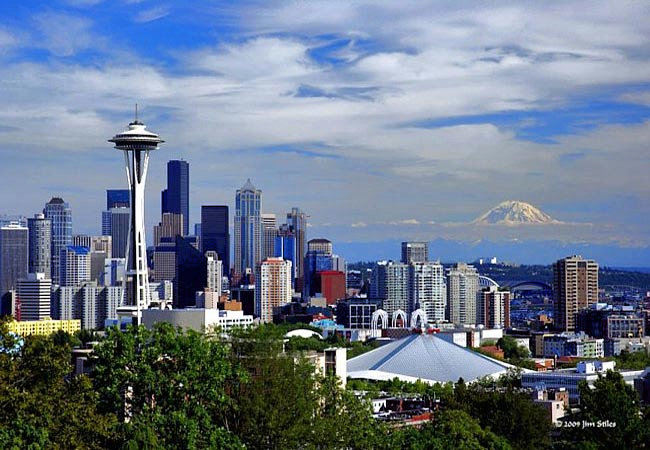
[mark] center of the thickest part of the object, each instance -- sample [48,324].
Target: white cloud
[151,14]
[65,34]
[229,109]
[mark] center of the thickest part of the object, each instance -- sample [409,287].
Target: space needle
[136,142]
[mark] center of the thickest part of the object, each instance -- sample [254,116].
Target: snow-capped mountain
[512,212]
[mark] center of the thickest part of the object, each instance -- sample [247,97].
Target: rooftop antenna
[136,112]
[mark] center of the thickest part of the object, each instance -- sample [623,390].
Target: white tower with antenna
[136,143]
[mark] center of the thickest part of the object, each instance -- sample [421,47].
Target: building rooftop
[426,357]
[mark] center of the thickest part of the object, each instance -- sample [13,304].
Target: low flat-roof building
[570,379]
[44,327]
[198,319]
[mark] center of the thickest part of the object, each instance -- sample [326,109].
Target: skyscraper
[40,245]
[215,233]
[117,222]
[60,215]
[14,259]
[575,287]
[191,273]
[214,271]
[176,198]
[170,226]
[390,283]
[248,228]
[297,221]
[462,295]
[318,259]
[34,293]
[495,308]
[285,248]
[75,265]
[415,252]
[272,287]
[427,289]
[269,233]
[117,198]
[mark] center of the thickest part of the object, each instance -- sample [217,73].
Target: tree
[451,429]
[511,349]
[507,412]
[41,403]
[609,416]
[169,386]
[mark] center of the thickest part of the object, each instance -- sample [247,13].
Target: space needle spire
[136,142]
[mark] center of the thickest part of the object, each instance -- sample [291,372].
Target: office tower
[211,294]
[427,289]
[462,292]
[176,198]
[117,198]
[320,245]
[272,287]
[415,252]
[170,226]
[297,221]
[285,248]
[40,245]
[332,284]
[75,265]
[390,283]
[214,271]
[34,295]
[315,263]
[269,232]
[495,308]
[215,233]
[60,216]
[94,243]
[248,228]
[14,260]
[114,270]
[575,287]
[191,273]
[16,219]
[164,260]
[136,142]
[116,223]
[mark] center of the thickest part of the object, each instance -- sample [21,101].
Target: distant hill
[512,212]
[505,274]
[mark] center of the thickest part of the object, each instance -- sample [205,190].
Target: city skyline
[429,122]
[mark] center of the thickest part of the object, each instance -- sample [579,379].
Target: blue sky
[383,120]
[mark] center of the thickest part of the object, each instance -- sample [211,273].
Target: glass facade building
[215,233]
[60,215]
[176,198]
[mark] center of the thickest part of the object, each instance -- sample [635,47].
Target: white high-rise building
[462,295]
[75,265]
[390,282]
[34,295]
[427,289]
[214,273]
[89,303]
[272,287]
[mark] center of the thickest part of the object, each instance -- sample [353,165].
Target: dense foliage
[166,388]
